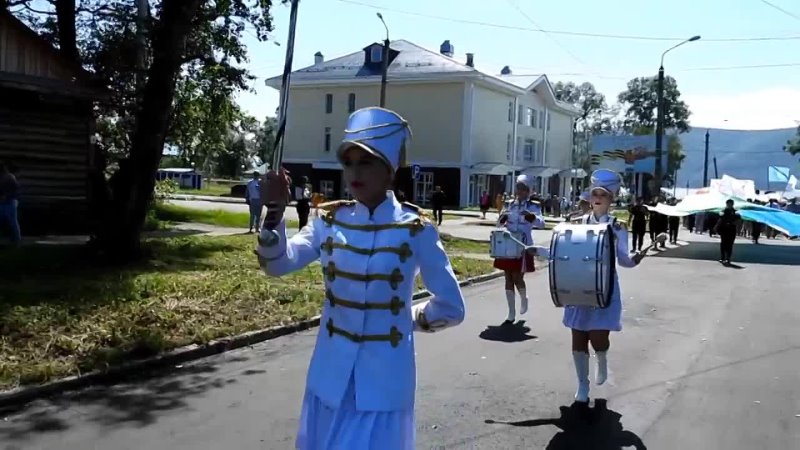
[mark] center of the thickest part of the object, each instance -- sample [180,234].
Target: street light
[660,114]
[385,61]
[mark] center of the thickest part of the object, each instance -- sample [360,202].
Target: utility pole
[705,163]
[659,170]
[716,174]
[385,60]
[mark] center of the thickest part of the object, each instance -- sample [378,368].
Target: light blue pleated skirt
[585,318]
[345,428]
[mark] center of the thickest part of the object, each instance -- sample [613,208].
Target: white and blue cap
[525,180]
[380,132]
[607,180]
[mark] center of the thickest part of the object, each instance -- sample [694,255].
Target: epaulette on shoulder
[336,204]
[418,210]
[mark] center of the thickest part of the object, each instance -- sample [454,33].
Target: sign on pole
[415,171]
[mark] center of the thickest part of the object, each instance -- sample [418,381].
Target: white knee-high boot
[512,314]
[581,360]
[602,368]
[523,296]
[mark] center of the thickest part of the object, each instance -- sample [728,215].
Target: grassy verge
[212,188]
[168,212]
[60,315]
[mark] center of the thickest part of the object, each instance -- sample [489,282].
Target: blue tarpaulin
[783,221]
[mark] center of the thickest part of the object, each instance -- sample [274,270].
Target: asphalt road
[709,359]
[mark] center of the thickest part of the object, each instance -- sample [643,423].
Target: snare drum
[582,264]
[501,247]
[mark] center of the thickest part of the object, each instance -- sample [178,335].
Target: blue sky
[754,98]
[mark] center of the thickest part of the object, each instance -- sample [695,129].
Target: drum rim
[610,240]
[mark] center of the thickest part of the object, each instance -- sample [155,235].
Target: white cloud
[755,110]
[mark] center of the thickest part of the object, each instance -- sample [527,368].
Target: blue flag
[778,174]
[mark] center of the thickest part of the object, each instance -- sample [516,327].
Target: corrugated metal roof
[411,60]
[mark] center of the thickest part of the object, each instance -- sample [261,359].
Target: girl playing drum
[519,217]
[590,324]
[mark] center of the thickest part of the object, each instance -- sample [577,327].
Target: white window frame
[529,150]
[511,112]
[509,148]
[376,54]
[423,188]
[327,186]
[328,103]
[520,114]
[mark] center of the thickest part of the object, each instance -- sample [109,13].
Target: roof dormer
[373,55]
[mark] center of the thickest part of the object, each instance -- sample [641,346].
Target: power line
[576,74]
[569,33]
[790,14]
[549,36]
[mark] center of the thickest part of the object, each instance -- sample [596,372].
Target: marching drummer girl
[361,380]
[590,324]
[519,217]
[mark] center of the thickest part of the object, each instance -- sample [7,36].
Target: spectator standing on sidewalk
[252,197]
[9,201]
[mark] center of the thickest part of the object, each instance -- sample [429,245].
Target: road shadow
[585,428]
[507,332]
[744,252]
[140,401]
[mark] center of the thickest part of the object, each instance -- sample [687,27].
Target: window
[376,54]
[509,149]
[327,139]
[520,114]
[518,148]
[326,188]
[351,102]
[541,119]
[530,144]
[328,103]
[511,112]
[423,188]
[530,117]
[548,121]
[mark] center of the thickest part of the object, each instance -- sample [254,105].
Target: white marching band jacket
[514,212]
[369,263]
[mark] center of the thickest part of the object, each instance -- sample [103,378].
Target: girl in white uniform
[590,324]
[520,216]
[362,377]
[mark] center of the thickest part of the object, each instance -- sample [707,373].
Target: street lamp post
[659,170]
[385,68]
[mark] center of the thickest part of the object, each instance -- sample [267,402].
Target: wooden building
[46,130]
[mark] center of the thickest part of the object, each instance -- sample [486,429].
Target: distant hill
[740,154]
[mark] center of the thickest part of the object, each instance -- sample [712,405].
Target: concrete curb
[20,396]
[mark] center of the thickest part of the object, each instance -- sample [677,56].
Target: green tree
[183,87]
[640,104]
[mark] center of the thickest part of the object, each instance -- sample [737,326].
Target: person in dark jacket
[438,198]
[674,226]
[726,229]
[638,223]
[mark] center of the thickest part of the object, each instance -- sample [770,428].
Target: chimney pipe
[318,58]
[506,71]
[471,59]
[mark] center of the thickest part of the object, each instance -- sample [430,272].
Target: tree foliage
[172,79]
[793,146]
[640,104]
